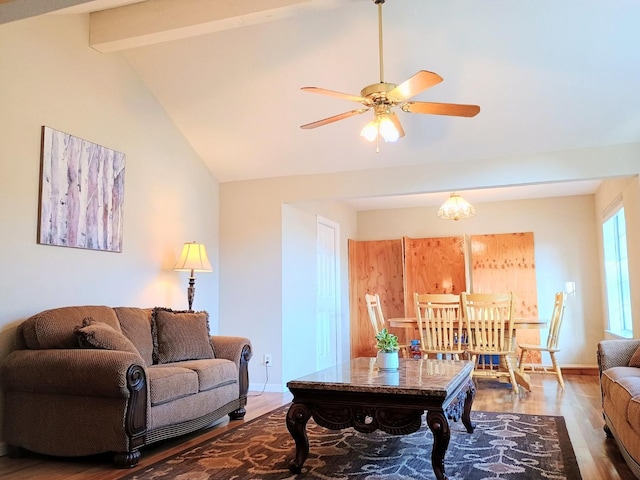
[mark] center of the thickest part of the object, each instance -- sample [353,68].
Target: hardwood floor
[598,456]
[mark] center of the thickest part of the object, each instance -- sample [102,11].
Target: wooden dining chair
[376,317]
[490,334]
[552,342]
[439,324]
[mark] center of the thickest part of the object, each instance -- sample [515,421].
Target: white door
[328,301]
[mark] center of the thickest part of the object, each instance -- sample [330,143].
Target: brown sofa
[619,362]
[92,379]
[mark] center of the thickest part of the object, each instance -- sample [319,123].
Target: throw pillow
[180,335]
[136,326]
[94,334]
[635,358]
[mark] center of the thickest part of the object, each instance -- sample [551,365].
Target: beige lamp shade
[456,208]
[193,259]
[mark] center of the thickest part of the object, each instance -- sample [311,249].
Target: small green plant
[387,342]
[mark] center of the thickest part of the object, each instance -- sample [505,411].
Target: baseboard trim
[269,387]
[580,370]
[566,370]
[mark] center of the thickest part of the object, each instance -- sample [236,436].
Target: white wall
[299,286]
[300,283]
[629,190]
[276,308]
[51,77]
[566,249]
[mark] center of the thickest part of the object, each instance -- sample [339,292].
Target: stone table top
[428,377]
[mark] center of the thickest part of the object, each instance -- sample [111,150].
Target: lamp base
[191,292]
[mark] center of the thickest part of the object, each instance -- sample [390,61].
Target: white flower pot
[387,362]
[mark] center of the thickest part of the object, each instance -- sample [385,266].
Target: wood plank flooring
[598,456]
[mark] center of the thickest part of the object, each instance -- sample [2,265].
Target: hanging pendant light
[456,208]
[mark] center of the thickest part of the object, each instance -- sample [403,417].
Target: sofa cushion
[633,411]
[621,393]
[94,334]
[180,335]
[615,374]
[212,373]
[54,328]
[136,325]
[168,383]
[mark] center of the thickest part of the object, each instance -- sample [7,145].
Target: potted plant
[387,345]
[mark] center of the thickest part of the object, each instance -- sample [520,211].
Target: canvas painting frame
[81,199]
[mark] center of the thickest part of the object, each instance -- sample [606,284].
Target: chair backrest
[556,320]
[375,312]
[439,322]
[488,320]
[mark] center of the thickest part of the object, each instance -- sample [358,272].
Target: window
[616,270]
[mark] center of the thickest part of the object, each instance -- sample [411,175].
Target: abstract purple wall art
[81,193]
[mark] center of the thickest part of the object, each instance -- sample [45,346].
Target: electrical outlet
[267,360]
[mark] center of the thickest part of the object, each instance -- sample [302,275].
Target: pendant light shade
[456,208]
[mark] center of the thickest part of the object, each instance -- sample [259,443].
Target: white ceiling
[548,75]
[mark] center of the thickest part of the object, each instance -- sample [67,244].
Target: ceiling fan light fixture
[387,129]
[382,125]
[370,130]
[383,96]
[456,208]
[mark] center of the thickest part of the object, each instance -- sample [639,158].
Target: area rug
[504,446]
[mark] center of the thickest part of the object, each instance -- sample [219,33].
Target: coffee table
[357,394]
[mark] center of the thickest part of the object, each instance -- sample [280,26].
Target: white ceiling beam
[156,21]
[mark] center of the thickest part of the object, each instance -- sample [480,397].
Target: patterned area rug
[504,446]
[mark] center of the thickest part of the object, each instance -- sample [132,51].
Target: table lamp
[192,259]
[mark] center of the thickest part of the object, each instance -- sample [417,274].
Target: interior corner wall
[299,280]
[50,76]
[251,275]
[299,293]
[565,239]
[628,189]
[257,284]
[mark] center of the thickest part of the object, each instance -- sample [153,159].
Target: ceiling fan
[382,97]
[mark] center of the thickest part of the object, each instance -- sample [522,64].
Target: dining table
[410,326]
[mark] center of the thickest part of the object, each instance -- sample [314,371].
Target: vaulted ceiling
[548,75]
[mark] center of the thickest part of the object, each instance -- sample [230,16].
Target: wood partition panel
[506,263]
[433,265]
[374,267]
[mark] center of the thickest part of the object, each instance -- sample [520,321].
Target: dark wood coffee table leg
[297,418]
[466,413]
[439,426]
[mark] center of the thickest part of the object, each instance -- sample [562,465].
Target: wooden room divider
[374,267]
[395,269]
[506,263]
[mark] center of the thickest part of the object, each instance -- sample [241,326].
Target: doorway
[328,294]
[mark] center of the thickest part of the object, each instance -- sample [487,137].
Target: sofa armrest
[70,371]
[238,350]
[232,348]
[616,353]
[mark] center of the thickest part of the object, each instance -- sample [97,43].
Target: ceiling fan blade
[453,109]
[396,121]
[335,118]
[414,85]
[324,91]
